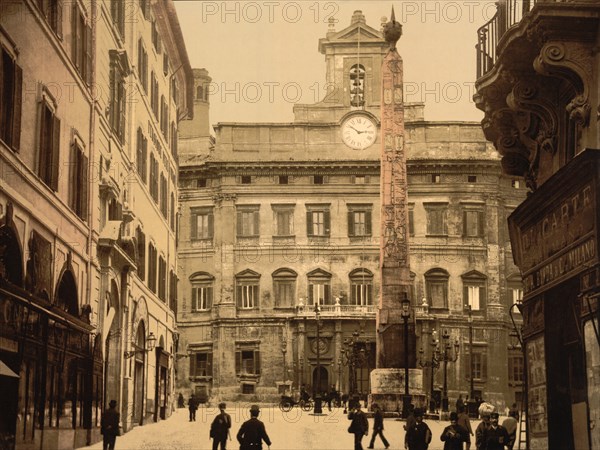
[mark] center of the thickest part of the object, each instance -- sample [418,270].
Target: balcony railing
[508,14]
[333,310]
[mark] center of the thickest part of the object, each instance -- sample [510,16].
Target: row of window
[247,289]
[158,183]
[247,362]
[318,221]
[153,270]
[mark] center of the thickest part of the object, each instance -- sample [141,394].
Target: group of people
[251,434]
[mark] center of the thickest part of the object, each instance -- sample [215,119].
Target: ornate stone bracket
[572,62]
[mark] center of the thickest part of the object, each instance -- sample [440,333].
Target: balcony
[338,310]
[530,51]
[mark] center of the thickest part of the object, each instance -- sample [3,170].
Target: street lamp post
[433,364]
[471,387]
[318,407]
[405,313]
[354,355]
[446,358]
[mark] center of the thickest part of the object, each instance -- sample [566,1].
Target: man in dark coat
[192,406]
[495,436]
[511,424]
[378,427]
[359,425]
[454,435]
[480,431]
[418,436]
[252,432]
[109,426]
[219,429]
[463,421]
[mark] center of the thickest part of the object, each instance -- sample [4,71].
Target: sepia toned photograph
[299,224]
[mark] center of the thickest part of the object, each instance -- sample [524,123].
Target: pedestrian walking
[345,402]
[465,422]
[253,432]
[480,431]
[359,425]
[410,422]
[109,426]
[418,436]
[219,429]
[192,406]
[514,411]
[454,435]
[180,401]
[459,403]
[378,427]
[510,425]
[495,436]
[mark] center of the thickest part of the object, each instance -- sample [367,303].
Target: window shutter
[238,179]
[309,226]
[350,223]
[255,295]
[445,291]
[240,229]
[368,222]
[327,293]
[193,364]
[311,179]
[482,298]
[444,222]
[84,186]
[367,179]
[123,96]
[238,362]
[311,288]
[145,159]
[209,297]
[483,366]
[58,18]
[411,222]
[480,218]
[73,172]
[139,150]
[256,230]
[238,295]
[257,362]
[327,223]
[55,152]
[464,231]
[353,179]
[87,75]
[466,295]
[17,101]
[325,179]
[211,221]
[194,227]
[209,364]
[194,304]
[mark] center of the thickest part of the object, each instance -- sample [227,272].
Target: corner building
[90,106]
[278,217]
[538,81]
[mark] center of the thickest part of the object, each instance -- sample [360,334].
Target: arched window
[247,289]
[11,259]
[514,285]
[202,291]
[436,288]
[357,85]
[474,290]
[284,287]
[319,287]
[199,93]
[361,287]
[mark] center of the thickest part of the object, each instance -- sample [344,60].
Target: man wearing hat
[109,426]
[418,436]
[359,425]
[495,437]
[219,429]
[454,435]
[480,430]
[252,432]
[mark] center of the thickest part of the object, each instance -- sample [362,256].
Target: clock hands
[359,132]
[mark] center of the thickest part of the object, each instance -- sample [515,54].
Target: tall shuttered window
[11,96]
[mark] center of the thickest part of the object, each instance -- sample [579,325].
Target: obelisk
[394,355]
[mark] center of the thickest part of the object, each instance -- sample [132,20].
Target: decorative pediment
[473,275]
[318,273]
[247,274]
[358,31]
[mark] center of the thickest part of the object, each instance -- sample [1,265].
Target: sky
[263,55]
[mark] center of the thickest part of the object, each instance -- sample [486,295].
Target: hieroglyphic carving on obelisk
[394,263]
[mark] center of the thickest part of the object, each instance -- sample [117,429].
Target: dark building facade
[538,81]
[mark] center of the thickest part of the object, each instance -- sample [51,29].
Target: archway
[11,256]
[324,379]
[66,293]
[139,375]
[112,348]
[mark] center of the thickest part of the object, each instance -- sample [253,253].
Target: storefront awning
[6,371]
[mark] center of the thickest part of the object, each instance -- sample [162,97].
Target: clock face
[359,132]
